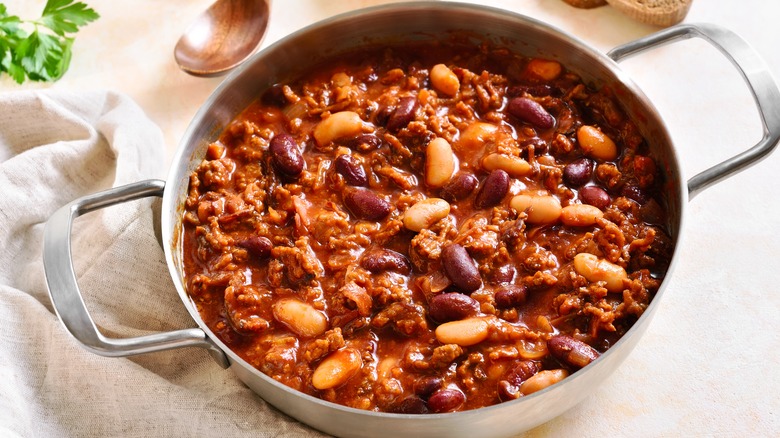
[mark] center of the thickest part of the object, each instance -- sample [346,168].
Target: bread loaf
[586,4]
[656,12]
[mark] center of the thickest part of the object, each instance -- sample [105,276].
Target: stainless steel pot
[395,24]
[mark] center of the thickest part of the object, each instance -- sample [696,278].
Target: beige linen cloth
[55,147]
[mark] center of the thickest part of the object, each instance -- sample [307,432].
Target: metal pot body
[415,22]
[396,25]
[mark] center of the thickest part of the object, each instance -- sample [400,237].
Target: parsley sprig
[40,50]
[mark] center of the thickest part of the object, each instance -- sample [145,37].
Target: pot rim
[171,208]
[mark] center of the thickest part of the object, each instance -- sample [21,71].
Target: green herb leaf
[56,66]
[64,16]
[8,25]
[7,65]
[45,53]
[33,51]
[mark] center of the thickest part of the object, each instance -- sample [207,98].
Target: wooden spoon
[221,38]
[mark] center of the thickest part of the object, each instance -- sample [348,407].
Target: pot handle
[66,296]
[753,70]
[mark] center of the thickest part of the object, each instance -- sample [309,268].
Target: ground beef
[328,342]
[295,265]
[406,318]
[444,355]
[293,274]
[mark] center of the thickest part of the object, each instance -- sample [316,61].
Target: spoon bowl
[222,37]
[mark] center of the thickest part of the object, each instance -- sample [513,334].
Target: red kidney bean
[285,155]
[493,190]
[459,187]
[540,146]
[460,268]
[411,405]
[403,113]
[511,296]
[257,246]
[365,204]
[632,191]
[572,352]
[508,389]
[531,112]
[274,96]
[578,172]
[503,274]
[349,167]
[380,260]
[427,385]
[364,142]
[522,371]
[595,196]
[383,115]
[452,306]
[446,400]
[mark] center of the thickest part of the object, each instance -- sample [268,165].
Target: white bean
[596,144]
[338,125]
[464,332]
[544,68]
[595,269]
[336,369]
[541,209]
[580,215]
[542,380]
[425,213]
[444,80]
[300,317]
[516,167]
[476,136]
[439,163]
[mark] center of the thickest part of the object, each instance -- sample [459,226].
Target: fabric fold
[54,148]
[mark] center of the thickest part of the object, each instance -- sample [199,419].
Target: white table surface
[708,365]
